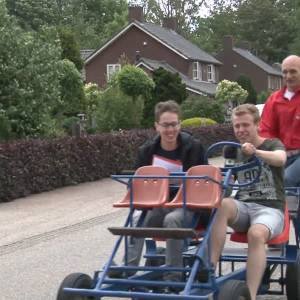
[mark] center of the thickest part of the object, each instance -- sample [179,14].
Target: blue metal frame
[132,287]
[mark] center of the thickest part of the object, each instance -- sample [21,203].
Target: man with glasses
[177,151]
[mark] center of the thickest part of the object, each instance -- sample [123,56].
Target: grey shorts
[252,213]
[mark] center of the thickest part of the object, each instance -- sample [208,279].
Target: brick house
[151,46]
[237,61]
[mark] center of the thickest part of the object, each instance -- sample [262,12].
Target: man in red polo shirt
[281,118]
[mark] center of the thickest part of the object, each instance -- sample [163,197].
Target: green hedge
[197,122]
[33,166]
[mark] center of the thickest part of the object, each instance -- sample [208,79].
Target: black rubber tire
[75,280]
[293,279]
[156,262]
[234,290]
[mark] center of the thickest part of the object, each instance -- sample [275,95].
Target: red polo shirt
[281,119]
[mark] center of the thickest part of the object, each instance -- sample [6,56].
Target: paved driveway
[44,237]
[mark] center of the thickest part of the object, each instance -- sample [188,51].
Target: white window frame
[111,69]
[196,71]
[211,73]
[269,82]
[278,83]
[274,83]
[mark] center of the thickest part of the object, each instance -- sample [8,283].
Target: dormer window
[197,74]
[111,70]
[211,73]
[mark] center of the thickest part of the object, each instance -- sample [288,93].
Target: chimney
[135,13]
[277,66]
[228,43]
[170,23]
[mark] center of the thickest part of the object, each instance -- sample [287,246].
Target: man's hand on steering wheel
[248,149]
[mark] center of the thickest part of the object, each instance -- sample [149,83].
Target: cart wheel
[293,279]
[155,262]
[234,289]
[75,280]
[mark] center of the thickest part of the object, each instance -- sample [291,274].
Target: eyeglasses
[172,124]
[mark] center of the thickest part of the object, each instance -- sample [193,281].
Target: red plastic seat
[282,238]
[200,193]
[147,192]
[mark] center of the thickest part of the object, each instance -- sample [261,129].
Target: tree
[134,82]
[202,106]
[230,93]
[209,31]
[91,21]
[33,14]
[72,90]
[246,84]
[268,28]
[294,45]
[185,12]
[70,47]
[167,86]
[29,77]
[116,111]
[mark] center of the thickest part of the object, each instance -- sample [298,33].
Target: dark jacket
[191,151]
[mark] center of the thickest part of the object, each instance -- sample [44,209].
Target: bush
[230,92]
[246,84]
[263,96]
[33,166]
[168,86]
[69,123]
[195,106]
[72,90]
[118,111]
[134,82]
[197,122]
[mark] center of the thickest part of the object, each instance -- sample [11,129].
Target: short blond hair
[247,108]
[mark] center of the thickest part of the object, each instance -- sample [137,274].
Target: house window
[111,70]
[211,74]
[274,83]
[278,83]
[197,71]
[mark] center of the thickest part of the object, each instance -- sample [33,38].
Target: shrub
[204,106]
[197,122]
[118,111]
[246,84]
[168,86]
[72,90]
[134,82]
[33,166]
[263,96]
[230,92]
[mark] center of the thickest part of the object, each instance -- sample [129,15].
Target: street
[46,236]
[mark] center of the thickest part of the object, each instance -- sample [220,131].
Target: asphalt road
[44,237]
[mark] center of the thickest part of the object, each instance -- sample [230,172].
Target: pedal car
[201,187]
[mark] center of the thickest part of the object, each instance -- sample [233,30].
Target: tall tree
[32,14]
[29,77]
[209,31]
[185,12]
[70,47]
[267,29]
[92,21]
[167,86]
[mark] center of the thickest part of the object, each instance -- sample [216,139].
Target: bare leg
[225,213]
[258,235]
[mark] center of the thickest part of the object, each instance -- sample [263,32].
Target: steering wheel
[254,162]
